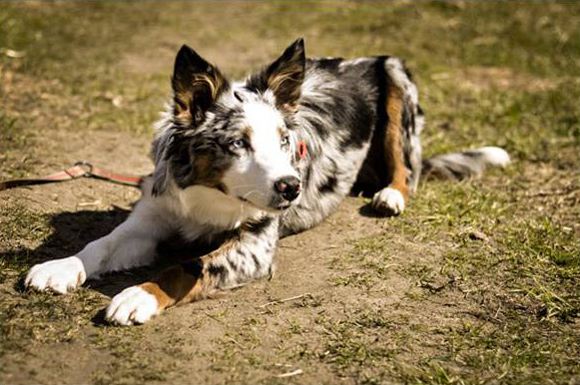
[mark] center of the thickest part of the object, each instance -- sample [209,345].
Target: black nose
[288,187]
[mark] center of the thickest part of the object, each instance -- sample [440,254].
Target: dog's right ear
[196,86]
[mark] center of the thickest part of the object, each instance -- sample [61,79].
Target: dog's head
[234,137]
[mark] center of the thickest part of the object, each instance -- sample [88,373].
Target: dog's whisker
[244,186]
[253,191]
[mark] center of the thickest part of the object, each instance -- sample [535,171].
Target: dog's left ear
[196,86]
[284,77]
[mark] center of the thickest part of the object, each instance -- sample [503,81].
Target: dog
[251,161]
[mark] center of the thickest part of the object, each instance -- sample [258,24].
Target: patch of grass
[546,262]
[21,228]
[511,119]
[357,342]
[52,320]
[516,268]
[15,140]
[371,256]
[79,83]
[431,373]
[53,39]
[514,353]
[238,358]
[132,360]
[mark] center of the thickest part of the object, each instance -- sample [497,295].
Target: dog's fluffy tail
[467,164]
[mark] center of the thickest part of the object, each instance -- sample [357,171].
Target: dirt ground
[476,283]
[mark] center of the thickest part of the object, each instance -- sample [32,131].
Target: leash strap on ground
[80,169]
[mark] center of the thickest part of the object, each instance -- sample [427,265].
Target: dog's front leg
[130,245]
[245,257]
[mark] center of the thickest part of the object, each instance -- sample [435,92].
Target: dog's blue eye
[285,141]
[240,143]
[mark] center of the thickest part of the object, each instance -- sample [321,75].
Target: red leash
[80,169]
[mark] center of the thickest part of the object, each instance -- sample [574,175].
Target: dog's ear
[284,77]
[196,86]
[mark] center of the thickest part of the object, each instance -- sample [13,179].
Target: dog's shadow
[74,230]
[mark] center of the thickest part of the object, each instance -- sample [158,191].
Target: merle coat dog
[248,162]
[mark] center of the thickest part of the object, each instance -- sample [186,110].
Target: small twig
[234,341]
[290,374]
[435,289]
[286,299]
[214,318]
[85,204]
[497,312]
[391,265]
[547,193]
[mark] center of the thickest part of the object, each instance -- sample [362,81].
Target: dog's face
[236,138]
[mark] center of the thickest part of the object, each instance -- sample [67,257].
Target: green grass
[72,51]
[20,228]
[477,282]
[523,275]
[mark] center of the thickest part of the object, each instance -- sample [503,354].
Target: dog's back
[343,117]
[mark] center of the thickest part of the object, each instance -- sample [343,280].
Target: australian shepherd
[251,161]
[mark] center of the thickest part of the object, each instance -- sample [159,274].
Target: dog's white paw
[60,275]
[389,201]
[131,306]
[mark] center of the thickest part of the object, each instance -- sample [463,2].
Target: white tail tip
[495,156]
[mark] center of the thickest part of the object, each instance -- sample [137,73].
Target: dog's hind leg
[248,255]
[392,199]
[402,148]
[131,244]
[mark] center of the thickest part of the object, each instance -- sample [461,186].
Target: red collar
[302,150]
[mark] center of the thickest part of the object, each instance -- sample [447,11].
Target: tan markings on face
[253,177]
[247,133]
[280,132]
[205,174]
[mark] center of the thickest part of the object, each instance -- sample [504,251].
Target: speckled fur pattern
[227,169]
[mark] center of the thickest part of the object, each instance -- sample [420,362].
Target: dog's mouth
[277,207]
[283,206]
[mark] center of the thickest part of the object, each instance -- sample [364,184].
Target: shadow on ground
[72,231]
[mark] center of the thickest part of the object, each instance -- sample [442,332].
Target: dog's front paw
[388,202]
[60,275]
[131,306]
